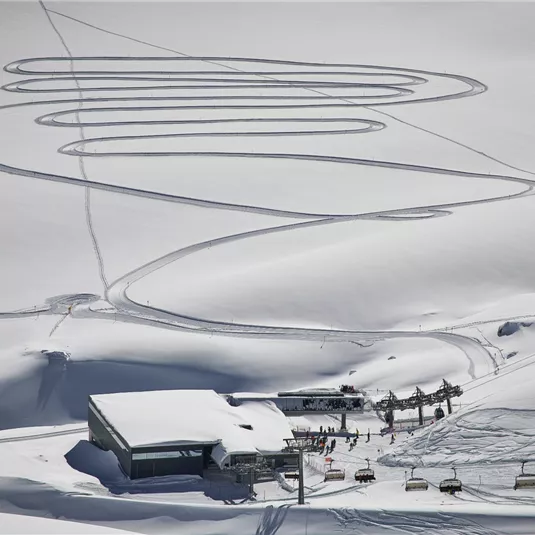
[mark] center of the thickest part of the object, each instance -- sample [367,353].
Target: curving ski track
[388,86]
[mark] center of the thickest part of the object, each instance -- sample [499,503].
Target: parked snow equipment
[451,485]
[524,480]
[365,474]
[334,475]
[416,483]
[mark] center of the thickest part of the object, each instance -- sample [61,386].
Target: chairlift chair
[451,485]
[334,474]
[439,413]
[416,483]
[291,475]
[365,474]
[524,480]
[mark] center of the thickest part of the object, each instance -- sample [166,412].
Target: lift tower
[300,444]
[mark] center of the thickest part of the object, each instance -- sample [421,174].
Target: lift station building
[168,432]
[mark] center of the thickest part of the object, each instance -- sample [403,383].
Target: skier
[368,439]
[321,429]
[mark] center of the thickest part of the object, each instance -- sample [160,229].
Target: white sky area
[256,197]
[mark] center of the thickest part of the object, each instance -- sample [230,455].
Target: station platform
[302,402]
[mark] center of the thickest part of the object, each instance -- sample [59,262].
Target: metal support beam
[301,497]
[421,415]
[447,391]
[344,422]
[251,481]
[389,418]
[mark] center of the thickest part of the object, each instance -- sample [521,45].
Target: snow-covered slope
[257,197]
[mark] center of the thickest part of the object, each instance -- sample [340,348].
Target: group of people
[354,442]
[323,443]
[322,440]
[324,446]
[328,429]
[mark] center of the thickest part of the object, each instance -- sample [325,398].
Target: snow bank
[28,524]
[476,437]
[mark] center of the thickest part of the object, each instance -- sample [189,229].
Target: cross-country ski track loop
[224,85]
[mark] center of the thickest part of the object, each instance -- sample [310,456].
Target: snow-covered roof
[253,395]
[190,417]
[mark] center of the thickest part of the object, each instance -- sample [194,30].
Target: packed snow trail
[38,436]
[117,296]
[389,86]
[268,75]
[81,165]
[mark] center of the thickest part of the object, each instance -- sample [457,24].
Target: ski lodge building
[170,432]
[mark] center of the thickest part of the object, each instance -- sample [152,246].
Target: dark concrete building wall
[153,462]
[139,462]
[150,461]
[102,433]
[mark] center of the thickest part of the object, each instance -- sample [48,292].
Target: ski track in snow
[403,92]
[360,522]
[229,76]
[38,436]
[87,191]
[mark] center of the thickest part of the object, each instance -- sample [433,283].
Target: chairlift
[416,483]
[334,474]
[365,474]
[451,485]
[291,475]
[524,480]
[439,413]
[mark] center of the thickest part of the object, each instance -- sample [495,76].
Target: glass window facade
[346,404]
[166,455]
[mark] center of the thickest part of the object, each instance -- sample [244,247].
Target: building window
[166,455]
[244,459]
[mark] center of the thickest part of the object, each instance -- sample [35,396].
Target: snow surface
[314,229]
[27,525]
